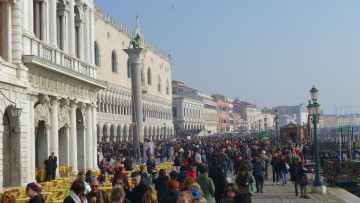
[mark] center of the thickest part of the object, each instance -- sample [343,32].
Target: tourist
[199,200]
[243,181]
[81,176]
[275,171]
[7,197]
[139,188]
[49,164]
[149,197]
[118,195]
[258,172]
[151,168]
[32,191]
[161,182]
[218,177]
[76,194]
[96,195]
[187,182]
[183,174]
[144,176]
[89,176]
[206,184]
[231,190]
[53,158]
[281,166]
[298,171]
[172,192]
[223,160]
[185,197]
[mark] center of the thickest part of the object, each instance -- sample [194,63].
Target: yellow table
[22,200]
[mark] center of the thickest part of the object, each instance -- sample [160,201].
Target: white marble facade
[52,67]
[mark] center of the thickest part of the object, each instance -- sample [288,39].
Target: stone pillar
[94,137]
[54,136]
[86,35]
[31,17]
[136,55]
[43,27]
[16,32]
[73,139]
[71,29]
[31,143]
[52,24]
[89,138]
[91,41]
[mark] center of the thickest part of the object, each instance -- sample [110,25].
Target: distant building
[222,112]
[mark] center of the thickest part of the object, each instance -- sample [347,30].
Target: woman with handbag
[300,177]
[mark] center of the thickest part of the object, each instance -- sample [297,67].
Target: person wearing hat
[33,190]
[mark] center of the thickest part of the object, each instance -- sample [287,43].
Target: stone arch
[80,134]
[112,133]
[126,132]
[98,132]
[159,132]
[11,145]
[105,133]
[119,136]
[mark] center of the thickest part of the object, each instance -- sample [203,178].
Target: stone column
[94,136]
[73,139]
[136,55]
[92,41]
[86,35]
[31,150]
[52,24]
[71,29]
[16,32]
[43,27]
[89,138]
[31,17]
[54,136]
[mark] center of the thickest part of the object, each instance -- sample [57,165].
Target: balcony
[40,53]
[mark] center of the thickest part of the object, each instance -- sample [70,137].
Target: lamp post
[276,120]
[314,112]
[14,111]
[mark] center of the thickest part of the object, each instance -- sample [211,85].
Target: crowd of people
[222,169]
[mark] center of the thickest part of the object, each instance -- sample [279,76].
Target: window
[97,54]
[128,68]
[167,87]
[114,62]
[142,77]
[149,76]
[60,24]
[159,84]
[38,19]
[174,111]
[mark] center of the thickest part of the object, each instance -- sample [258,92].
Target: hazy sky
[267,52]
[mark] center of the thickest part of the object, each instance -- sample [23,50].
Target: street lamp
[314,112]
[276,120]
[14,111]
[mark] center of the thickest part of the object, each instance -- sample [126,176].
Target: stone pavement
[279,193]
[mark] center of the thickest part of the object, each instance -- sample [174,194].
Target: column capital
[54,100]
[136,55]
[73,104]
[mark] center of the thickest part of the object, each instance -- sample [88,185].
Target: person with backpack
[244,180]
[258,172]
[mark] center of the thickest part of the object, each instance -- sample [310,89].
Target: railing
[36,47]
[348,171]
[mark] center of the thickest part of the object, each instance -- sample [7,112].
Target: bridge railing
[348,171]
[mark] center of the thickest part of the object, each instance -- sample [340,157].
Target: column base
[318,189]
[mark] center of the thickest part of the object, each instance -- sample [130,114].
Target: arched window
[167,87]
[128,68]
[149,77]
[60,23]
[114,62]
[97,53]
[142,77]
[159,84]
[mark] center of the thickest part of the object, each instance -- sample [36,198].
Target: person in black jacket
[139,189]
[172,192]
[218,177]
[151,168]
[161,182]
[183,174]
[48,168]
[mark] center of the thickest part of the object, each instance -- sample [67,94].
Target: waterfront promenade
[279,193]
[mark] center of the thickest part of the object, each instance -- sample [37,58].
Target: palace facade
[62,65]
